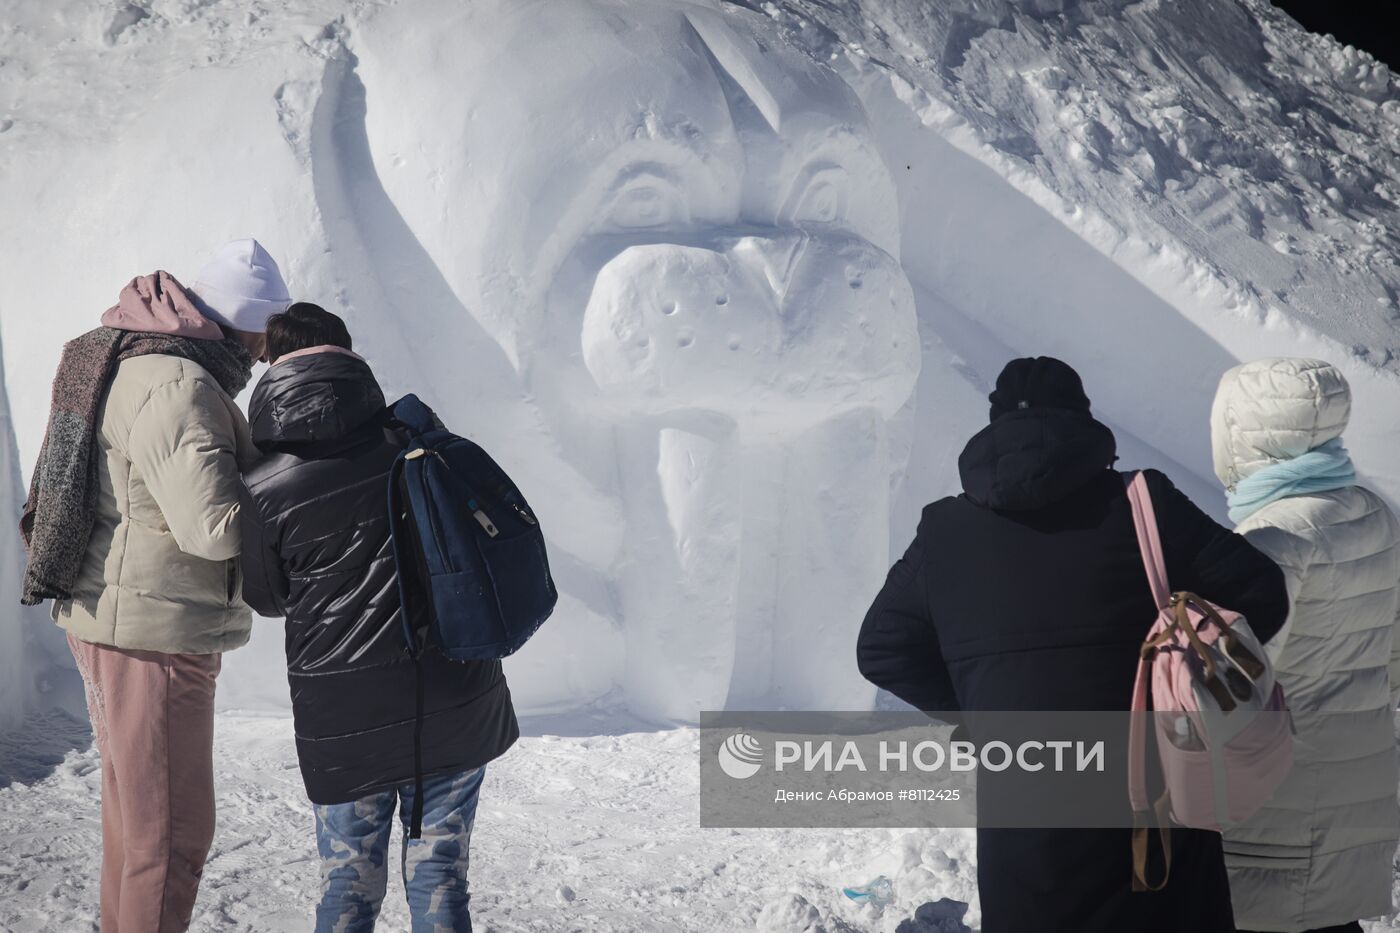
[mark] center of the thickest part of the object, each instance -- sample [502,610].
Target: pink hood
[323,348]
[158,304]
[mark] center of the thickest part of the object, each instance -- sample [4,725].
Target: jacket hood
[1273,410]
[312,351]
[159,304]
[306,399]
[1034,458]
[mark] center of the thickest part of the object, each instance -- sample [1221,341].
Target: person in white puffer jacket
[1319,856]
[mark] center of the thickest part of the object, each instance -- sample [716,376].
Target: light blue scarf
[1319,470]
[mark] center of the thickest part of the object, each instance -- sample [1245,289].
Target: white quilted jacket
[1321,853]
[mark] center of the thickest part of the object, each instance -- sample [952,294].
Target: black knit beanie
[1038,382]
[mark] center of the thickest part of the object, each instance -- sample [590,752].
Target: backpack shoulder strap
[400,529]
[1149,539]
[410,412]
[1154,562]
[401,526]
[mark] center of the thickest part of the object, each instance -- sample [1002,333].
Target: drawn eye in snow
[646,202]
[820,195]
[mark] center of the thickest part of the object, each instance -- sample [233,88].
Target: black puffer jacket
[316,550]
[1027,592]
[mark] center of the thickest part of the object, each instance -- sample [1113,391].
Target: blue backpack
[467,534]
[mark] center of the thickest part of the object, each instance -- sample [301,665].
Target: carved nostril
[722,300]
[685,340]
[668,308]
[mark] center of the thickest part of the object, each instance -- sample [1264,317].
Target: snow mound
[1264,153]
[1151,191]
[793,914]
[722,285]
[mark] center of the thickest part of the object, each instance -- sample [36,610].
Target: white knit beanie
[241,287]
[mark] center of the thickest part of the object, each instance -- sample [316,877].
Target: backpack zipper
[482,518]
[478,513]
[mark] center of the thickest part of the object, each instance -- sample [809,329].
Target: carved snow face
[672,190]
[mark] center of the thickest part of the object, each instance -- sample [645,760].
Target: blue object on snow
[878,892]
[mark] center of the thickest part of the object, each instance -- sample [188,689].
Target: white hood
[1275,409]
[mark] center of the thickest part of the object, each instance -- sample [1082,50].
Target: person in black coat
[1027,592]
[316,550]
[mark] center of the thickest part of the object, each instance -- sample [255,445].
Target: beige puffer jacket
[1321,852]
[162,571]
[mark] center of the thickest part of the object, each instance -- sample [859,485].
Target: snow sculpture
[682,234]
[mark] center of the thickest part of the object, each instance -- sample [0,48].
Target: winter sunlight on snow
[724,285]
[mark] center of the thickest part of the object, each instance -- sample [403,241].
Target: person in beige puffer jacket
[161,570]
[152,600]
[1319,856]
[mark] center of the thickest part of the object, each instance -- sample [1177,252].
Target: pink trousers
[153,719]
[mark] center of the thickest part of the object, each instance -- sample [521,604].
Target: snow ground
[583,826]
[577,832]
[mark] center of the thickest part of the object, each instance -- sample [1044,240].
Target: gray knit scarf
[62,507]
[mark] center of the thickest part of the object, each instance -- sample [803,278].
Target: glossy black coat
[316,550]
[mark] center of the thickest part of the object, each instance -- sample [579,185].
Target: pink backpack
[1224,736]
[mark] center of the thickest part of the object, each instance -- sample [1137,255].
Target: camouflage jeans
[353,839]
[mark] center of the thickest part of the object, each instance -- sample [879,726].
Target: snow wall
[722,293]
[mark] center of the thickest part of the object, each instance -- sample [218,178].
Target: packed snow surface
[582,826]
[595,833]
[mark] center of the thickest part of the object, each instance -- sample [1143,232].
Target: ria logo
[740,756]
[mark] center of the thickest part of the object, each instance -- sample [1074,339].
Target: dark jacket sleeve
[1214,562]
[265,583]
[898,645]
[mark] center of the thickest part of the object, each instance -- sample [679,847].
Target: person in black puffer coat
[1027,592]
[317,550]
